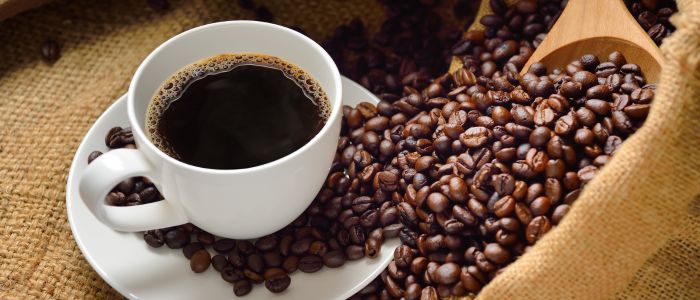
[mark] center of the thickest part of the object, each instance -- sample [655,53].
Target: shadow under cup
[251,202]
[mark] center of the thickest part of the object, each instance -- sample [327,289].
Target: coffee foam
[173,87]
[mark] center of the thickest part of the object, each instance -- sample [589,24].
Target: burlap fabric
[633,234]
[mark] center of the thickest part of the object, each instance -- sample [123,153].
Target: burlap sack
[633,234]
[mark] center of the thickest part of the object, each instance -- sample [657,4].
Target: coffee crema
[235,111]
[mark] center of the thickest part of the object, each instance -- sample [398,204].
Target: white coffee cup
[241,203]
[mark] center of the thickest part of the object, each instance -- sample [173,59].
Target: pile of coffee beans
[468,169]
[348,220]
[488,166]
[411,47]
[468,172]
[511,36]
[653,16]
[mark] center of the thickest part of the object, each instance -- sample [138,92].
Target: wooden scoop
[598,27]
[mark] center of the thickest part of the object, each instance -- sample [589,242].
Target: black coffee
[236,111]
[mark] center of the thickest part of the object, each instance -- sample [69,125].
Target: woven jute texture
[46,110]
[633,234]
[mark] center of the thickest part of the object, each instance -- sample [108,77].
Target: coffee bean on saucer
[310,263]
[242,287]
[200,261]
[177,238]
[219,262]
[154,238]
[93,155]
[224,245]
[191,248]
[278,283]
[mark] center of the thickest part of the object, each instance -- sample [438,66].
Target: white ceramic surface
[241,203]
[138,271]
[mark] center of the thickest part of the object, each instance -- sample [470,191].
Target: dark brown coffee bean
[403,257]
[93,155]
[273,259]
[255,263]
[598,106]
[116,199]
[278,284]
[496,253]
[200,261]
[310,263]
[50,51]
[301,247]
[438,202]
[447,273]
[566,125]
[154,238]
[612,144]
[392,231]
[176,239]
[357,234]
[291,263]
[540,206]
[191,248]
[584,136]
[224,245]
[539,136]
[354,252]
[537,228]
[219,262]
[266,243]
[559,213]
[585,117]
[571,89]
[242,288]
[334,259]
[585,78]
[523,170]
[504,206]
[637,111]
[475,137]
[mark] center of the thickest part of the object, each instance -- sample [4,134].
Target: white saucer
[138,271]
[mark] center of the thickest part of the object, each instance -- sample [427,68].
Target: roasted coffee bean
[154,238]
[496,253]
[242,288]
[475,137]
[177,238]
[50,51]
[266,243]
[224,245]
[93,155]
[429,293]
[310,263]
[278,284]
[291,263]
[438,202]
[537,228]
[334,259]
[354,252]
[403,256]
[447,273]
[200,261]
[191,248]
[219,262]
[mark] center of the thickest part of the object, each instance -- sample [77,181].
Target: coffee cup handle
[105,172]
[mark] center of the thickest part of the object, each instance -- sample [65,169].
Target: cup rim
[336,102]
